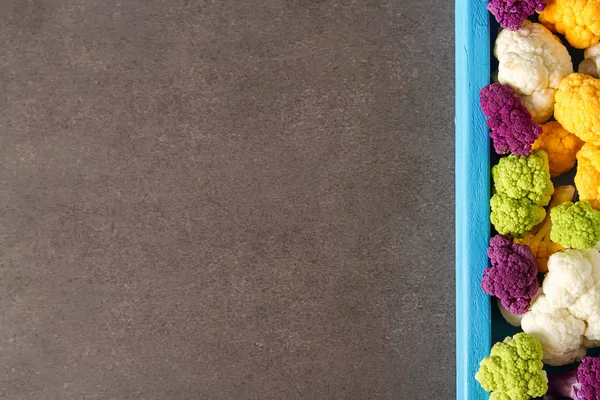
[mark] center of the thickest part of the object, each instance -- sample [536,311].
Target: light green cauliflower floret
[514,369]
[524,177]
[575,225]
[515,217]
[523,187]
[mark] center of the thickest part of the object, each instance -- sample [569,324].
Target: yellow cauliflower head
[560,145]
[578,20]
[587,179]
[577,106]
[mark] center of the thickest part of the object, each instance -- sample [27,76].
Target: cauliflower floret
[533,62]
[578,20]
[587,308]
[523,186]
[575,225]
[514,369]
[511,14]
[524,177]
[571,274]
[560,333]
[578,106]
[561,147]
[566,318]
[511,127]
[514,217]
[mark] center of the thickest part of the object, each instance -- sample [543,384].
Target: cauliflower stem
[587,179]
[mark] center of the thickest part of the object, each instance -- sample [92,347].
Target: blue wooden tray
[478,321]
[473,308]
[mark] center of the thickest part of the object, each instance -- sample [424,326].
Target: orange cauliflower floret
[578,20]
[578,106]
[560,145]
[587,179]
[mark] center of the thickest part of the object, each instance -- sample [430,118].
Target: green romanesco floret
[575,225]
[524,177]
[515,217]
[514,369]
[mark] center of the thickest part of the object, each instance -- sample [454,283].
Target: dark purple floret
[511,14]
[513,274]
[582,383]
[512,129]
[588,378]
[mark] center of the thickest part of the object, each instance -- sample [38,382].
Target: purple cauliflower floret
[513,274]
[511,14]
[512,129]
[582,383]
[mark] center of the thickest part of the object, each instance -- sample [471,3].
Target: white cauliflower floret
[587,305]
[591,63]
[592,331]
[560,333]
[587,308]
[533,62]
[569,277]
[566,319]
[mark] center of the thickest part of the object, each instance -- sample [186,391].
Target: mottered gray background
[247,199]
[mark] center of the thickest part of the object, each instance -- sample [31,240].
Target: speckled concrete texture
[247,199]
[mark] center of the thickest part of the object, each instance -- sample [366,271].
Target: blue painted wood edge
[473,309]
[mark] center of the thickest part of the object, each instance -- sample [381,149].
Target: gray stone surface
[247,199]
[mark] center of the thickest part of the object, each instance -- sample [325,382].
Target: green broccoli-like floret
[515,217]
[523,187]
[514,369]
[575,225]
[524,177]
